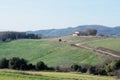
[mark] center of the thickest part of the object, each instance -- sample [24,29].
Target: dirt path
[100,50]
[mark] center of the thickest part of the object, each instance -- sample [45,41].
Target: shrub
[117,74]
[92,70]
[60,40]
[112,66]
[51,69]
[118,64]
[4,63]
[91,32]
[17,63]
[31,67]
[40,66]
[85,68]
[62,68]
[100,71]
[75,67]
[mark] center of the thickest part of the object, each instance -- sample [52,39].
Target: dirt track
[100,50]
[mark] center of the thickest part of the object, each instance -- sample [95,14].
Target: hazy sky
[22,15]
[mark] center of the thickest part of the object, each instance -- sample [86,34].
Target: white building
[76,33]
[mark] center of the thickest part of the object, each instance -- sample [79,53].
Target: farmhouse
[79,33]
[76,33]
[88,32]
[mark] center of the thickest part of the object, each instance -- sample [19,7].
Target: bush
[85,68]
[4,63]
[92,70]
[118,64]
[60,40]
[91,32]
[17,63]
[51,69]
[62,68]
[75,67]
[117,74]
[31,67]
[100,71]
[40,66]
[21,64]
[112,66]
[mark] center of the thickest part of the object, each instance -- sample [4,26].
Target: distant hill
[68,31]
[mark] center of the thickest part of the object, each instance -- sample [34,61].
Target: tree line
[7,36]
[111,69]
[88,32]
[21,64]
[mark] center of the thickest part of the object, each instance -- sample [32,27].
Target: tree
[17,63]
[92,70]
[4,63]
[92,32]
[118,64]
[6,36]
[75,67]
[108,69]
[117,74]
[40,66]
[31,66]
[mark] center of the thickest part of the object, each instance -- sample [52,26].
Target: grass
[55,53]
[111,43]
[11,75]
[79,39]
[52,52]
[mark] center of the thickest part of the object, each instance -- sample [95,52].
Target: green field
[51,51]
[111,43]
[55,53]
[17,75]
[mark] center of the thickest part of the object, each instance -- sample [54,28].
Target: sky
[27,15]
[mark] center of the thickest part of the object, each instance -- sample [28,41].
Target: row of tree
[111,68]
[107,69]
[7,36]
[21,64]
[88,32]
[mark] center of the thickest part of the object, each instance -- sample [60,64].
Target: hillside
[51,51]
[68,31]
[112,43]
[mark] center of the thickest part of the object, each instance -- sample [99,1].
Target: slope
[51,51]
[111,43]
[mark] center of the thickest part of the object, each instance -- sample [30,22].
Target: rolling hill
[51,51]
[68,31]
[111,43]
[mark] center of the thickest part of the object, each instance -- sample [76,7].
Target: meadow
[53,52]
[28,75]
[111,43]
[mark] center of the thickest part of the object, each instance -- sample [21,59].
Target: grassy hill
[51,51]
[111,43]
